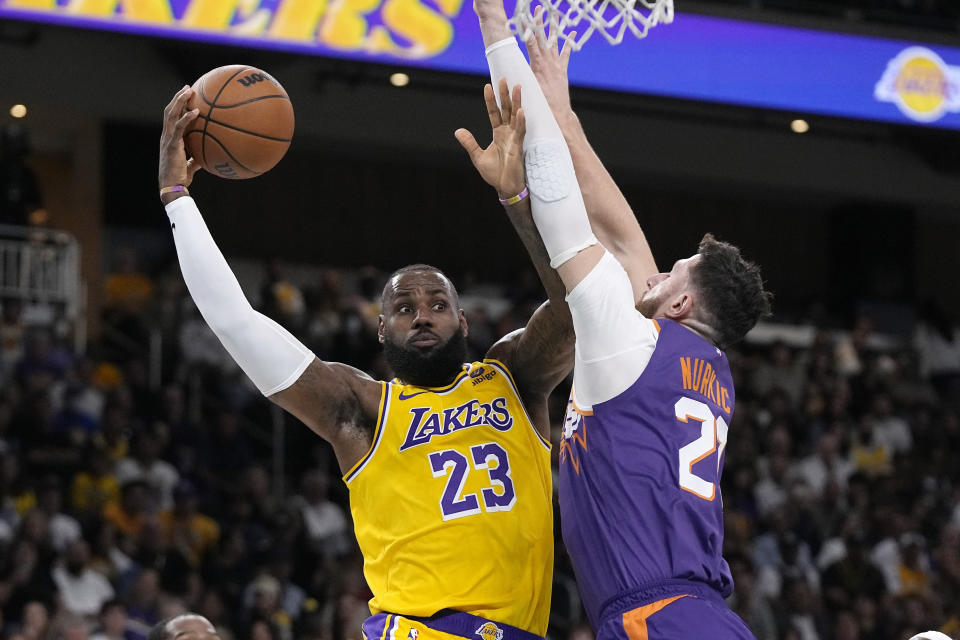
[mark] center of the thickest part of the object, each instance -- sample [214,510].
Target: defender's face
[663,289]
[420,311]
[191,627]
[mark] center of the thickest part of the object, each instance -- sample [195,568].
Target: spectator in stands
[851,350]
[852,576]
[192,533]
[749,603]
[801,612]
[94,486]
[63,529]
[115,429]
[26,580]
[13,333]
[825,465]
[938,345]
[113,623]
[127,289]
[70,626]
[226,454]
[281,299]
[35,620]
[82,590]
[263,604]
[129,514]
[145,464]
[324,522]
[9,494]
[890,431]
[780,371]
[143,599]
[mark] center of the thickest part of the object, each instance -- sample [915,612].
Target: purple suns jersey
[640,476]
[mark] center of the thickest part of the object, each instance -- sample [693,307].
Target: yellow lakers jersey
[452,505]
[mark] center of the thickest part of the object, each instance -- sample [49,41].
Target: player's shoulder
[340,383]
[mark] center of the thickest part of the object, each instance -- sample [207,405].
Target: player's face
[422,330]
[191,627]
[664,290]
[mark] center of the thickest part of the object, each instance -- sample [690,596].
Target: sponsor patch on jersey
[480,374]
[921,84]
[489,631]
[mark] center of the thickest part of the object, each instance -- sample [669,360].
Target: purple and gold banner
[695,58]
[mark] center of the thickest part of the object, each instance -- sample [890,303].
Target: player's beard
[433,367]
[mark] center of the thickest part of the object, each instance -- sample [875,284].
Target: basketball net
[611,18]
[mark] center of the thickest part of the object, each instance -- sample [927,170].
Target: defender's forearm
[610,214]
[521,218]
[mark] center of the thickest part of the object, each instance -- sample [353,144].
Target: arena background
[855,224]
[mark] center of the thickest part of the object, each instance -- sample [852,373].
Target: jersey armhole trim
[513,386]
[377,435]
[573,403]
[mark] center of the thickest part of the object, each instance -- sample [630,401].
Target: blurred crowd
[145,477]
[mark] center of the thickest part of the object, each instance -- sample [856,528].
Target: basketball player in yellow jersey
[447,465]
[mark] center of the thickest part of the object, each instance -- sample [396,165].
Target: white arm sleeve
[614,340]
[556,201]
[267,353]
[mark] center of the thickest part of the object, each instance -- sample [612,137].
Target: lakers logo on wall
[921,84]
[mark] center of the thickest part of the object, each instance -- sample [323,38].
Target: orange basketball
[245,123]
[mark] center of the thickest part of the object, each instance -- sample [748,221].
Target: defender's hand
[501,163]
[174,166]
[549,65]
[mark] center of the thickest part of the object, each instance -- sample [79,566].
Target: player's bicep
[604,316]
[540,355]
[338,403]
[637,260]
[614,341]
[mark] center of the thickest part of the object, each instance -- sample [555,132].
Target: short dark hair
[159,630]
[731,290]
[113,603]
[410,268]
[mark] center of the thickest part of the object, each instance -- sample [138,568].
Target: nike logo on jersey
[407,396]
[425,424]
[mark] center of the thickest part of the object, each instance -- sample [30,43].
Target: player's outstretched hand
[501,163]
[174,167]
[549,65]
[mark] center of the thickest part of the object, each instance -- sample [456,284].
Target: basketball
[245,123]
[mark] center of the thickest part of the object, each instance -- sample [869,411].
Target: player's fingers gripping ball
[245,123]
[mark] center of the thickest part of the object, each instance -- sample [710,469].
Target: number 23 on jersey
[489,458]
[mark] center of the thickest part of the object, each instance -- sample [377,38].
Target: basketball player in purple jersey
[652,399]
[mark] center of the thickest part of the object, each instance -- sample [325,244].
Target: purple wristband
[515,199]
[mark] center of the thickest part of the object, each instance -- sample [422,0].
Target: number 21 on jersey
[489,457]
[713,438]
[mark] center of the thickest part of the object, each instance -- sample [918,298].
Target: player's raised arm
[540,355]
[610,215]
[601,300]
[338,402]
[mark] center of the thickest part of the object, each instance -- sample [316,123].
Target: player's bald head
[401,276]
